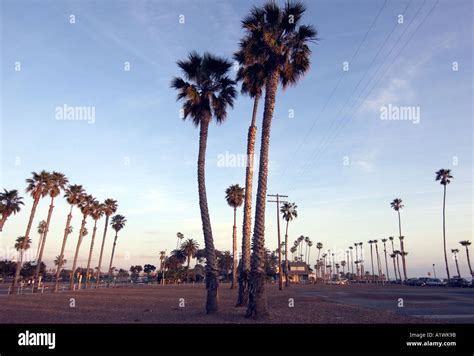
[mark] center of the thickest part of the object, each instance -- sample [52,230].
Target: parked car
[415,282]
[459,282]
[434,282]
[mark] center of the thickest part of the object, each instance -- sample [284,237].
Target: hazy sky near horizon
[330,151]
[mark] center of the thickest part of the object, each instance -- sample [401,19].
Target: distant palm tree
[397,205]
[190,247]
[274,40]
[60,261]
[361,260]
[310,244]
[20,244]
[40,229]
[444,176]
[97,211]
[343,264]
[55,185]
[398,253]
[234,195]
[385,254]
[293,250]
[466,244]
[455,252]
[10,203]
[180,238]
[252,77]
[289,212]
[393,256]
[37,187]
[110,207]
[73,194]
[300,244]
[352,260]
[118,223]
[207,92]
[86,203]
[379,266]
[393,251]
[370,242]
[357,259]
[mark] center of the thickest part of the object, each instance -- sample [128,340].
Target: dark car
[458,282]
[414,282]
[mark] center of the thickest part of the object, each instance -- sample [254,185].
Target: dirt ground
[183,304]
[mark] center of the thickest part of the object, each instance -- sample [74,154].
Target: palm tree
[357,259]
[117,223]
[234,195]
[110,207]
[352,260]
[73,195]
[379,266]
[37,187]
[394,255]
[180,238]
[289,212]
[274,40]
[10,203]
[444,176]
[385,254]
[391,238]
[86,203]
[310,244]
[397,205]
[252,77]
[398,253]
[455,252]
[60,261]
[40,229]
[207,92]
[370,242]
[55,185]
[361,260]
[20,244]
[97,211]
[190,247]
[466,244]
[343,264]
[300,245]
[292,250]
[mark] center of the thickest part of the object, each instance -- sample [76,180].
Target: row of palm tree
[52,184]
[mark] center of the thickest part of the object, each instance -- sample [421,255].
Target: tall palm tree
[252,77]
[234,195]
[343,264]
[306,241]
[319,246]
[56,183]
[20,244]
[361,260]
[110,207]
[10,203]
[379,266]
[180,238]
[357,259]
[398,253]
[97,211]
[352,260]
[289,212]
[190,247]
[73,194]
[86,203]
[455,252]
[385,254]
[117,223]
[391,238]
[444,176]
[292,250]
[274,40]
[466,244]
[37,187]
[40,229]
[397,205]
[310,244]
[300,245]
[370,242]
[207,92]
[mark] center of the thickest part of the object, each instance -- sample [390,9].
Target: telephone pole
[278,201]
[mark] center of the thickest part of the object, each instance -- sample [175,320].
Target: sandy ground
[161,304]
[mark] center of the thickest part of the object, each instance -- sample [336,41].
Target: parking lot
[448,305]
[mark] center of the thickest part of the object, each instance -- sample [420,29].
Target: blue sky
[137,121]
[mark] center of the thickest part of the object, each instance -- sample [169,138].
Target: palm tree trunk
[379,267]
[25,242]
[394,268]
[372,262]
[45,233]
[403,260]
[63,246]
[287,283]
[457,265]
[242,298]
[39,246]
[102,249]
[468,260]
[398,267]
[78,246]
[90,254]
[234,251]
[257,306]
[386,264]
[3,220]
[112,256]
[212,282]
[444,234]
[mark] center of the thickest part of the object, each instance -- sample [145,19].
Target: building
[299,272]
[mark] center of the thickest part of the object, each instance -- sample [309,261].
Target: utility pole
[278,201]
[434,271]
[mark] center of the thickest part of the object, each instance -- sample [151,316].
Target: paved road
[450,305]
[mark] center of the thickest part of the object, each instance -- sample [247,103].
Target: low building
[299,272]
